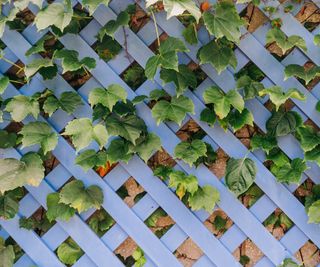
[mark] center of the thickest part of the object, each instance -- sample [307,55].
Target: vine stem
[13,81]
[12,63]
[156,27]
[79,17]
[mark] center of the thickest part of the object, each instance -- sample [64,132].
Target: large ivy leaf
[146,146]
[68,101]
[4,82]
[129,127]
[300,72]
[251,88]
[225,22]
[57,14]
[309,138]
[7,140]
[223,102]
[204,198]
[92,5]
[80,198]
[314,212]
[39,133]
[175,110]
[278,97]
[178,7]
[282,123]
[285,43]
[183,183]
[90,158]
[167,57]
[183,79]
[118,150]
[16,173]
[57,210]
[83,133]
[7,254]
[190,152]
[290,172]
[31,68]
[69,252]
[107,97]
[218,55]
[264,142]
[240,174]
[71,62]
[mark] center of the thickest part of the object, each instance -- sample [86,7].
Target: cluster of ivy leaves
[120,133]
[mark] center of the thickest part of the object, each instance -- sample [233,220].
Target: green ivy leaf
[226,21]
[4,82]
[146,146]
[300,72]
[9,206]
[183,79]
[39,133]
[204,198]
[309,138]
[183,183]
[83,133]
[38,47]
[289,263]
[90,158]
[218,55]
[265,142]
[175,110]
[277,157]
[31,68]
[157,94]
[285,43]
[138,256]
[57,210]
[16,173]
[80,198]
[223,102]
[240,174]
[92,5]
[316,40]
[69,252]
[282,123]
[190,34]
[21,106]
[208,116]
[318,106]
[71,62]
[118,150]
[314,212]
[190,152]
[100,222]
[4,19]
[313,155]
[7,254]
[238,119]
[290,172]
[107,97]
[7,140]
[278,97]
[250,87]
[163,171]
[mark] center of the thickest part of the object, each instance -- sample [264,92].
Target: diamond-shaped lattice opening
[50,163]
[104,170]
[199,73]
[134,76]
[138,18]
[218,222]
[77,78]
[254,17]
[23,19]
[131,192]
[245,133]
[161,157]
[188,252]
[14,127]
[37,222]
[251,196]
[218,167]
[51,44]
[190,131]
[18,251]
[80,19]
[154,46]
[16,74]
[309,16]
[129,253]
[308,254]
[304,190]
[107,48]
[159,222]
[100,222]
[278,223]
[251,70]
[69,252]
[248,254]
[288,105]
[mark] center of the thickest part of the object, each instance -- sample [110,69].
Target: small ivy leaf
[100,222]
[107,97]
[16,173]
[83,133]
[7,140]
[300,72]
[57,14]
[226,21]
[140,259]
[167,57]
[139,99]
[277,157]
[264,142]
[238,119]
[218,55]
[313,155]
[7,254]
[190,34]
[92,5]
[176,8]
[183,79]
[69,252]
[318,106]
[282,123]
[240,174]
[183,183]
[289,172]
[80,198]
[314,212]
[48,73]
[31,68]
[71,62]
[309,138]
[162,171]
[208,116]
[129,127]
[90,158]
[21,106]
[4,82]
[157,94]
[285,43]
[9,206]
[57,210]
[39,133]
[175,110]
[209,158]
[124,108]
[289,263]
[112,26]
[316,40]
[118,150]
[38,47]
[190,152]
[3,19]
[250,87]
[146,146]
[278,97]
[223,102]
[204,198]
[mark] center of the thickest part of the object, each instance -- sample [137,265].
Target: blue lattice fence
[247,223]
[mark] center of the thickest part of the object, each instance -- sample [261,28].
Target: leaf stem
[156,27]
[79,17]
[12,63]
[14,81]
